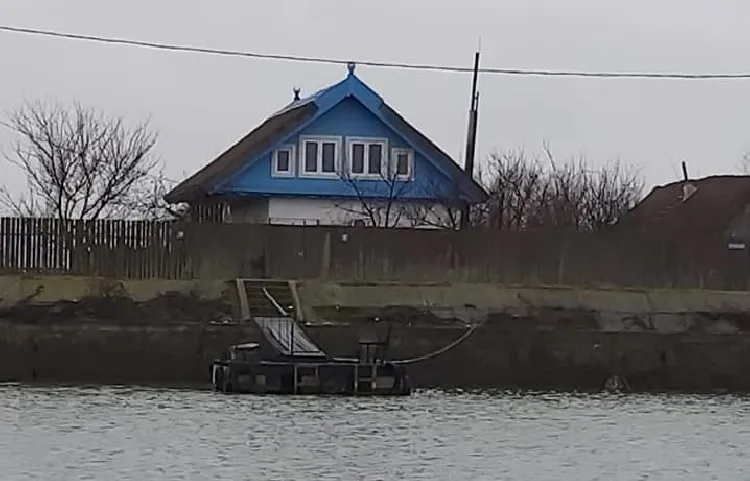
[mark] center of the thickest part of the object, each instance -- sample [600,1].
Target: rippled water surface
[122,433]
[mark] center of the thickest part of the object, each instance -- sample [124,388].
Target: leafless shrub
[531,193]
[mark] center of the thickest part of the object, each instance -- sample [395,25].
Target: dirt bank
[168,308]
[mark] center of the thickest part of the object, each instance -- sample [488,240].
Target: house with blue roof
[340,156]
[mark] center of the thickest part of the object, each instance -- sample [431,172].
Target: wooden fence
[166,250]
[109,248]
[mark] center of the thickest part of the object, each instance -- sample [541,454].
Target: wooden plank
[109,241]
[30,244]
[20,244]
[33,235]
[39,240]
[86,247]
[13,232]
[104,251]
[52,240]
[161,252]
[144,249]
[92,230]
[4,244]
[66,248]
[150,249]
[44,242]
[9,246]
[138,252]
[172,252]
[57,243]
[79,239]
[181,265]
[121,249]
[101,249]
[130,243]
[25,244]
[56,238]
[60,245]
[112,243]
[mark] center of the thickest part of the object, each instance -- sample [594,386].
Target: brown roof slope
[707,212]
[260,139]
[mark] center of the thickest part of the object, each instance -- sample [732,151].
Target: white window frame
[366,141]
[320,140]
[292,161]
[410,161]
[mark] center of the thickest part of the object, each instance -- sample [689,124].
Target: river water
[146,434]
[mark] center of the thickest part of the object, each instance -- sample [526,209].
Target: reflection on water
[124,433]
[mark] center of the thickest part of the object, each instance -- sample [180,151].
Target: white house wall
[311,211]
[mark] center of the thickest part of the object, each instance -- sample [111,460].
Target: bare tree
[379,198]
[81,164]
[536,194]
[388,200]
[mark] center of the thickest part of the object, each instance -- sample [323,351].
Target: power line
[371,63]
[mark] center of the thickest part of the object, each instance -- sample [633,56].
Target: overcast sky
[201,104]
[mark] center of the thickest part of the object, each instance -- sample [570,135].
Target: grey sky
[201,104]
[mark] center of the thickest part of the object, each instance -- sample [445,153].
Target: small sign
[736,245]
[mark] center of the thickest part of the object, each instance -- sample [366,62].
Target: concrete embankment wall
[97,331]
[607,310]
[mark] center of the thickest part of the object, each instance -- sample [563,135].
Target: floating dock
[298,366]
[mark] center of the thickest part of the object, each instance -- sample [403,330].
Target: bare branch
[439,209]
[79,163]
[379,198]
[387,200]
[146,200]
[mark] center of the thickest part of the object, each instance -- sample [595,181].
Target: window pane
[282,161]
[358,159]
[329,157]
[311,156]
[374,158]
[402,164]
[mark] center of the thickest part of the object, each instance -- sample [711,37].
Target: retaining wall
[82,331]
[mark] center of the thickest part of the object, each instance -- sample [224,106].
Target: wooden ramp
[287,337]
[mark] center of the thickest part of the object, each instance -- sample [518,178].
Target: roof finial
[351,66]
[296,93]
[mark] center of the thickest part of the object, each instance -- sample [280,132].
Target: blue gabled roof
[301,113]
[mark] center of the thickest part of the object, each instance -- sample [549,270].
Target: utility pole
[471,137]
